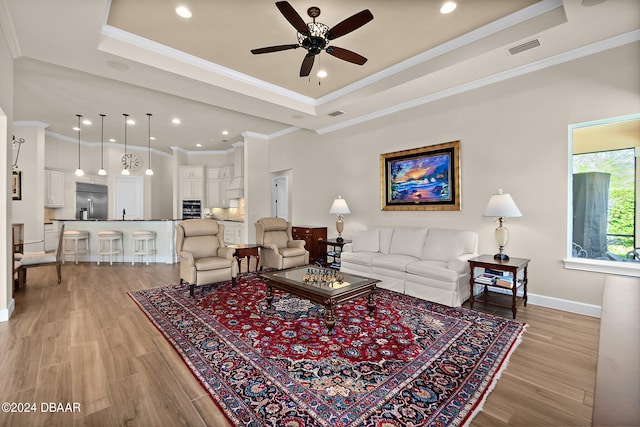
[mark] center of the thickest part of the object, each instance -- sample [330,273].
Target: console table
[511,267]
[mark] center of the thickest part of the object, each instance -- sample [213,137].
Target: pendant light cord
[102,143]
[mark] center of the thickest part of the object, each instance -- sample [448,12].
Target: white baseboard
[565,305]
[5,313]
[551,302]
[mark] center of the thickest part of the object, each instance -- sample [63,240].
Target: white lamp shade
[501,206]
[339,207]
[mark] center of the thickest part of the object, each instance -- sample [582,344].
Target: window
[604,189]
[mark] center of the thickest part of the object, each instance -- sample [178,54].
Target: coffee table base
[328,303]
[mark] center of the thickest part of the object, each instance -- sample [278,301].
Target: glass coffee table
[324,286]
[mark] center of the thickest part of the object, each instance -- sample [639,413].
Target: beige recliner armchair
[204,258]
[277,247]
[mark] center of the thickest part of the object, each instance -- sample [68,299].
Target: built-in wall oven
[191,209]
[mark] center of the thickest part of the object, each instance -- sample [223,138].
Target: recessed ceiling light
[322,74]
[448,7]
[112,140]
[176,121]
[198,145]
[86,122]
[153,138]
[76,128]
[183,12]
[131,122]
[225,132]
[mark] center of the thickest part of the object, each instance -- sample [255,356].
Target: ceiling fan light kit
[314,36]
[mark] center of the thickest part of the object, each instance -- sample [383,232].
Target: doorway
[280,197]
[129,197]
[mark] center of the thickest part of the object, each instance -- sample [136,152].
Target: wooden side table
[512,267]
[246,251]
[334,254]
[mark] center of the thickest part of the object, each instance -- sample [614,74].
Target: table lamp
[340,208]
[501,206]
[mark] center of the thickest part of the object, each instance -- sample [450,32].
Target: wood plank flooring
[85,341]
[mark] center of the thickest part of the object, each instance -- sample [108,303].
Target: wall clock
[131,161]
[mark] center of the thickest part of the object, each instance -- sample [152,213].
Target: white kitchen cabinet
[51,236]
[92,179]
[217,181]
[54,189]
[233,232]
[191,182]
[213,187]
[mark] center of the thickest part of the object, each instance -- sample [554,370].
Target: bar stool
[79,242]
[144,243]
[110,244]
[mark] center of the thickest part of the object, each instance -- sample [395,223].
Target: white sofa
[428,263]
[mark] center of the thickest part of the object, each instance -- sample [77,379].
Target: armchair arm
[295,244]
[188,257]
[271,246]
[460,263]
[226,252]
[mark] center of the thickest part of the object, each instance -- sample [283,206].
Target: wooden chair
[22,262]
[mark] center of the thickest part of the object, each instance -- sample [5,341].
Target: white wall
[29,209]
[6,118]
[513,135]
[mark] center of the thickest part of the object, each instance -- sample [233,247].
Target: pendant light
[102,172]
[149,171]
[79,171]
[125,171]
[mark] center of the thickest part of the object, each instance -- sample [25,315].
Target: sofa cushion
[386,233]
[396,262]
[291,252]
[366,240]
[443,244]
[408,241]
[433,269]
[359,258]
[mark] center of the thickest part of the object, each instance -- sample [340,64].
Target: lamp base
[339,239]
[501,257]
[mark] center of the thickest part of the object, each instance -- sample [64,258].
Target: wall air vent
[524,46]
[336,113]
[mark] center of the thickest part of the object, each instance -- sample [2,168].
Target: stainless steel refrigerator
[92,201]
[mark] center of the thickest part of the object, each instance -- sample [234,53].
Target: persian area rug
[413,363]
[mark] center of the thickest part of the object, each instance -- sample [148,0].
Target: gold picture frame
[16,185]
[421,179]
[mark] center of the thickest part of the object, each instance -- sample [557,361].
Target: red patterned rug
[413,363]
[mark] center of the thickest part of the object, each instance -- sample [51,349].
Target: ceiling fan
[315,36]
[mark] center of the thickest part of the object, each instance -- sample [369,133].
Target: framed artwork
[16,185]
[425,178]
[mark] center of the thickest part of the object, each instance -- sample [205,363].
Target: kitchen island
[165,236]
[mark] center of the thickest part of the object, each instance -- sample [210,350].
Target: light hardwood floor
[86,342]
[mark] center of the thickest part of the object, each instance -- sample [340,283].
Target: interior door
[129,197]
[279,197]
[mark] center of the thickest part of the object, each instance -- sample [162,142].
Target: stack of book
[502,279]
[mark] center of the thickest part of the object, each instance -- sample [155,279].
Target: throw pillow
[366,241]
[408,241]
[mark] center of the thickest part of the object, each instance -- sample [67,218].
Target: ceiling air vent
[336,113]
[524,46]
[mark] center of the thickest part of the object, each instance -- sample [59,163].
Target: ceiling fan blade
[350,24]
[307,65]
[292,16]
[274,48]
[346,55]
